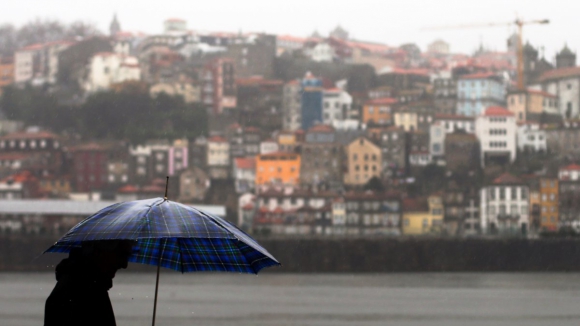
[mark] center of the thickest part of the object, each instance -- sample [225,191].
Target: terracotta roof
[291,38]
[29,135]
[277,154]
[382,101]
[507,178]
[12,156]
[246,163]
[22,176]
[89,147]
[483,75]
[497,111]
[128,189]
[415,205]
[571,167]
[321,128]
[560,73]
[32,47]
[217,139]
[251,129]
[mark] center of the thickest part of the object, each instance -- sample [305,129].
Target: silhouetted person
[81,296]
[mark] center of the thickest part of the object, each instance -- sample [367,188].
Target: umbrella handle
[157,283]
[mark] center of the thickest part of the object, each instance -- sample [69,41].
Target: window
[514,193]
[501,193]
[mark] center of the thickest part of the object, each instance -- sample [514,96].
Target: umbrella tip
[166,185]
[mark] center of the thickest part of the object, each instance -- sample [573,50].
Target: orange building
[549,214]
[279,167]
[378,111]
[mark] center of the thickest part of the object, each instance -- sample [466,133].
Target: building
[393,145]
[244,174]
[476,92]
[90,163]
[278,168]
[20,185]
[378,111]
[253,55]
[528,105]
[549,205]
[363,161]
[531,138]
[311,101]
[38,64]
[569,197]
[565,58]
[445,93]
[288,141]
[564,138]
[336,105]
[461,151]
[218,91]
[437,140]
[406,119]
[42,149]
[456,122]
[321,158]
[6,71]
[438,47]
[193,185]
[422,216]
[367,213]
[292,106]
[504,206]
[218,157]
[565,84]
[108,68]
[260,101]
[496,130]
[461,206]
[189,92]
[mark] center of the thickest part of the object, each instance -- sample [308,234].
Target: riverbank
[18,253]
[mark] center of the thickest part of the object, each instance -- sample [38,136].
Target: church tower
[566,58]
[115,27]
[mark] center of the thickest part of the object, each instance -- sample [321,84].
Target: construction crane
[520,54]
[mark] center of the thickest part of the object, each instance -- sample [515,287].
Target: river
[485,299]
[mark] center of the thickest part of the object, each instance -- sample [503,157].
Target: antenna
[166,186]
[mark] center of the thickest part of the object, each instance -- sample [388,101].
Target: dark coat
[80,297]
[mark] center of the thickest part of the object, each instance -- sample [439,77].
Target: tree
[8,40]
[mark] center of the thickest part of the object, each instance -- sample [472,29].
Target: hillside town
[317,136]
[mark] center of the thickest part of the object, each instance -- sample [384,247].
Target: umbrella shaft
[156,289]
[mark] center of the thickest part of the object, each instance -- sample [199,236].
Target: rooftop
[560,73]
[507,178]
[494,111]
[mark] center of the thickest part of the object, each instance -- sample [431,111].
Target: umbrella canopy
[172,235]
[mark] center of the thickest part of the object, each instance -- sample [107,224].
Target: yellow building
[279,167]
[287,141]
[407,120]
[364,161]
[549,201]
[55,186]
[522,103]
[6,71]
[422,215]
[378,111]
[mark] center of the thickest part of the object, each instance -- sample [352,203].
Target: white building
[531,138]
[244,174]
[419,158]
[107,68]
[496,130]
[218,151]
[269,146]
[569,173]
[336,103]
[321,52]
[347,124]
[565,84]
[504,206]
[454,122]
[38,63]
[26,62]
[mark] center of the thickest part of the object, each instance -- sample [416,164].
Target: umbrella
[171,235]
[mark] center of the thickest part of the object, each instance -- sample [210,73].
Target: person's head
[108,255]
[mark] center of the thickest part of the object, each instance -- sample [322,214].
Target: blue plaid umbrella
[171,235]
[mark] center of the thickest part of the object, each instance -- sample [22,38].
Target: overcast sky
[386,21]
